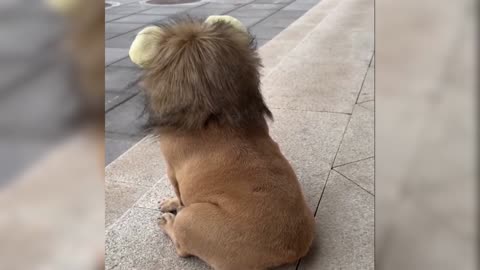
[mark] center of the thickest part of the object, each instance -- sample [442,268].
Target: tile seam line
[363,106]
[360,103]
[351,162]
[130,135]
[341,141]
[130,184]
[318,205]
[364,79]
[353,182]
[323,192]
[122,102]
[135,13]
[109,227]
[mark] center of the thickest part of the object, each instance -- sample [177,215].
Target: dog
[238,203]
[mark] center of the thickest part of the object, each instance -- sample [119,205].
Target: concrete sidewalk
[318,81]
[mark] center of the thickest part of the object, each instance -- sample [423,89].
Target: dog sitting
[239,204]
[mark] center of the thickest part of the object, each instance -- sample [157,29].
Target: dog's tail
[203,72]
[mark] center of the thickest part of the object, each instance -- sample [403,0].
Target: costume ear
[63,6]
[145,46]
[228,19]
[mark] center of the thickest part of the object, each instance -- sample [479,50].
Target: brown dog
[240,206]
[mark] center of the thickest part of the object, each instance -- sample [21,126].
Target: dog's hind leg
[166,222]
[210,233]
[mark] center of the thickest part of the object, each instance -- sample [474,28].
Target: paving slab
[127,119]
[167,10]
[261,31]
[125,62]
[261,41]
[127,9]
[114,54]
[358,142]
[307,85]
[141,165]
[282,19]
[274,1]
[264,6]
[355,43]
[121,79]
[119,197]
[248,12]
[353,47]
[111,17]
[309,141]
[123,41]
[162,190]
[250,21]
[110,35]
[300,6]
[295,32]
[121,28]
[136,242]
[370,105]
[360,172]
[116,147]
[141,18]
[368,89]
[344,228]
[228,5]
[202,12]
[212,9]
[273,52]
[114,98]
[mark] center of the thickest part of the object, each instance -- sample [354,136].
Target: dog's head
[199,73]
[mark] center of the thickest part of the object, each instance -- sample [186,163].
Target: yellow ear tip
[228,19]
[144,47]
[62,6]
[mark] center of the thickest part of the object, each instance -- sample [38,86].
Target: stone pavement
[123,105]
[319,83]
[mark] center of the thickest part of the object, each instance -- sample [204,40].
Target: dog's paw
[165,219]
[169,205]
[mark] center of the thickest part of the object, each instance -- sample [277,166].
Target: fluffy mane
[203,74]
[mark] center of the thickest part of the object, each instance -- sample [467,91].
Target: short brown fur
[239,203]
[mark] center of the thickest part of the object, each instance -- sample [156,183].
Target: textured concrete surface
[358,142]
[361,172]
[370,105]
[367,94]
[320,126]
[135,242]
[308,85]
[119,197]
[309,140]
[345,228]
